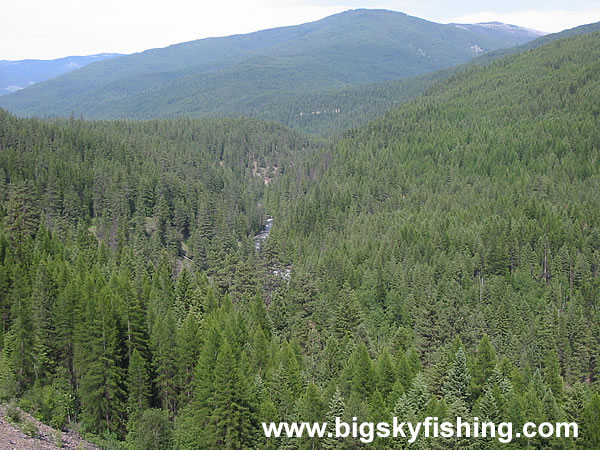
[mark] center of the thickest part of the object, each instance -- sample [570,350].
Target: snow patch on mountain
[508,27]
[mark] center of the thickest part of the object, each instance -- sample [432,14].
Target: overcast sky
[48,29]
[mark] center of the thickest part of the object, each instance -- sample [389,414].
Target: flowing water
[264,233]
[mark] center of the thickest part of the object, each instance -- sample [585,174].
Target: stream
[280,272]
[264,233]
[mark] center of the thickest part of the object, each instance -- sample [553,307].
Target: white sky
[48,29]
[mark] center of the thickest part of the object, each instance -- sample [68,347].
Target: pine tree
[311,408]
[204,370]
[457,383]
[487,408]
[330,361]
[232,421]
[417,397]
[151,430]
[43,302]
[361,372]
[67,304]
[412,407]
[589,422]
[552,376]
[386,374]
[267,413]
[138,382]
[182,296]
[102,389]
[164,350]
[8,382]
[335,409]
[348,315]
[188,351]
[482,367]
[22,342]
[22,211]
[260,360]
[63,400]
[576,402]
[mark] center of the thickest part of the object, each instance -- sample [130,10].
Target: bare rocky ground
[13,438]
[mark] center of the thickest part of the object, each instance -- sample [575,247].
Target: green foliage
[58,402]
[13,413]
[272,74]
[30,429]
[232,420]
[459,207]
[138,383]
[589,423]
[458,380]
[439,261]
[8,382]
[150,430]
[58,438]
[483,365]
[335,409]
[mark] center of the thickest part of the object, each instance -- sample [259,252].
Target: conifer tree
[487,408]
[102,390]
[165,366]
[336,409]
[138,383]
[457,383]
[22,210]
[386,374]
[483,366]
[311,408]
[361,372]
[552,377]
[576,400]
[348,314]
[589,422]
[232,422]
[188,346]
[267,413]
[331,360]
[22,342]
[64,312]
[151,430]
[8,382]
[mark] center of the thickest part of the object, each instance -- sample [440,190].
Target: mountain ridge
[225,76]
[20,74]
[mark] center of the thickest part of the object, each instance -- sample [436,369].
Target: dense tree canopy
[442,260]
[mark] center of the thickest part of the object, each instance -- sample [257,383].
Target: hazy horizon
[38,30]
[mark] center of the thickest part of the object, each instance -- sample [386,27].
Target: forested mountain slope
[99,222]
[571,32]
[330,113]
[239,74]
[473,211]
[16,75]
[444,261]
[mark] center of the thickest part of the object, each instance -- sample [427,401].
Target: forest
[250,74]
[444,261]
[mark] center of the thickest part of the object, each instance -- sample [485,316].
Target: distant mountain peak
[245,73]
[501,27]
